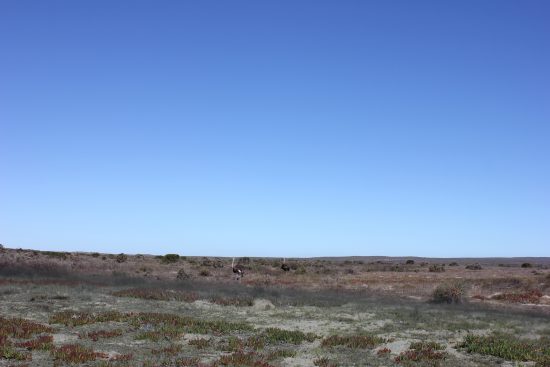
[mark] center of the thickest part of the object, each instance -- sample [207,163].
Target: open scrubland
[92,309]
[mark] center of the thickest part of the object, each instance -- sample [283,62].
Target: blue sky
[276,128]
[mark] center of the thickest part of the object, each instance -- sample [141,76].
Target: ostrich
[285,266]
[238,270]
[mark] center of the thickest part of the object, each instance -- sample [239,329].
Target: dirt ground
[117,310]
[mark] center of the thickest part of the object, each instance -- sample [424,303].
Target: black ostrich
[285,266]
[238,270]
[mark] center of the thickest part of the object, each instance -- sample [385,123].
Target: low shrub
[182,275]
[75,353]
[276,335]
[436,268]
[280,353]
[120,258]
[450,292]
[426,345]
[56,254]
[475,266]
[21,328]
[170,350]
[43,342]
[426,352]
[8,352]
[509,347]
[531,296]
[170,258]
[243,359]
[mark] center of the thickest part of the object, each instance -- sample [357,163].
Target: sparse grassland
[321,312]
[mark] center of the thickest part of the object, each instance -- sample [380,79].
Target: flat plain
[91,309]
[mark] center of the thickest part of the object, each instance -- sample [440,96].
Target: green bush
[510,347]
[170,258]
[56,254]
[365,341]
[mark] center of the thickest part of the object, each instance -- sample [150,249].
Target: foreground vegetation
[52,317]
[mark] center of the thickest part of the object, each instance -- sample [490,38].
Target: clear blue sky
[276,128]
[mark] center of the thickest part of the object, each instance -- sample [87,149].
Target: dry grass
[531,296]
[157,294]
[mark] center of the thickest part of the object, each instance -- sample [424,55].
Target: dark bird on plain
[238,270]
[285,266]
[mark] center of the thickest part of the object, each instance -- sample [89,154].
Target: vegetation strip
[509,347]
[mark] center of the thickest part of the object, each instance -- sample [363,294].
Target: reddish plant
[75,353]
[43,342]
[532,296]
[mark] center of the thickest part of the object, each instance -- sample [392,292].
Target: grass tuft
[353,341]
[73,318]
[276,335]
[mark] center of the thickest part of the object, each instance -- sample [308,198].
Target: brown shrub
[475,266]
[531,296]
[436,268]
[450,292]
[120,258]
[182,275]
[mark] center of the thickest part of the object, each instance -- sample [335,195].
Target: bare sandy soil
[108,310]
